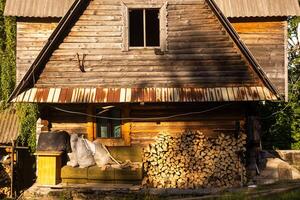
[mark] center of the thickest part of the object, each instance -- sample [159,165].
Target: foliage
[276,129]
[7,54]
[281,130]
[28,115]
[26,112]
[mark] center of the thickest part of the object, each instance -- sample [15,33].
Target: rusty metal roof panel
[259,8]
[9,126]
[37,8]
[136,95]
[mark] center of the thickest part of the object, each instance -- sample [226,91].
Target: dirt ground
[281,190]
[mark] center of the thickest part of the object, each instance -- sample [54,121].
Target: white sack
[91,146]
[73,160]
[84,154]
[73,156]
[101,156]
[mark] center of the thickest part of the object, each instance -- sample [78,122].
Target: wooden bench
[96,174]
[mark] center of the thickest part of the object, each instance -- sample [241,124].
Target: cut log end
[191,160]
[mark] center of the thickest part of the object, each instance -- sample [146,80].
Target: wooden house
[122,71]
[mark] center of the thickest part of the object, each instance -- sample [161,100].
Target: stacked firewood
[192,160]
[5,173]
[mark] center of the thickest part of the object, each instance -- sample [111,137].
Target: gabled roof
[231,8]
[259,8]
[63,28]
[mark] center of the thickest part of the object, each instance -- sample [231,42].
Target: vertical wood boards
[163,15]
[125,36]
[49,167]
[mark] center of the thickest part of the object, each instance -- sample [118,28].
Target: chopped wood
[192,160]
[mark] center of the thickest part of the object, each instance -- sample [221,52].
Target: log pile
[5,173]
[191,160]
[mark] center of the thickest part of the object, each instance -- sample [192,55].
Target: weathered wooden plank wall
[32,34]
[143,132]
[210,123]
[266,39]
[264,36]
[65,121]
[199,52]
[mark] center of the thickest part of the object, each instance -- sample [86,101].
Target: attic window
[144,28]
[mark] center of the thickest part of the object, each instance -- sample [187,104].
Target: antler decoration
[81,62]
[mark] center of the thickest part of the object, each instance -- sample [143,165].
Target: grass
[291,195]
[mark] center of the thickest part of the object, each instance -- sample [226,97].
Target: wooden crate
[48,167]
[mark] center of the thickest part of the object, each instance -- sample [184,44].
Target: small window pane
[152,27]
[109,128]
[136,28]
[103,126]
[116,124]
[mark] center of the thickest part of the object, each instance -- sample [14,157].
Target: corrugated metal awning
[37,8]
[135,95]
[9,126]
[259,8]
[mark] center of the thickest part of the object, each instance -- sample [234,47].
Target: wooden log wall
[144,132]
[211,124]
[200,53]
[267,40]
[65,121]
[32,34]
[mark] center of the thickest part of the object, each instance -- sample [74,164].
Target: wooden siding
[266,40]
[65,121]
[31,37]
[49,167]
[200,53]
[211,123]
[143,132]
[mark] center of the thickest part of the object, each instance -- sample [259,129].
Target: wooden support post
[90,124]
[253,146]
[12,169]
